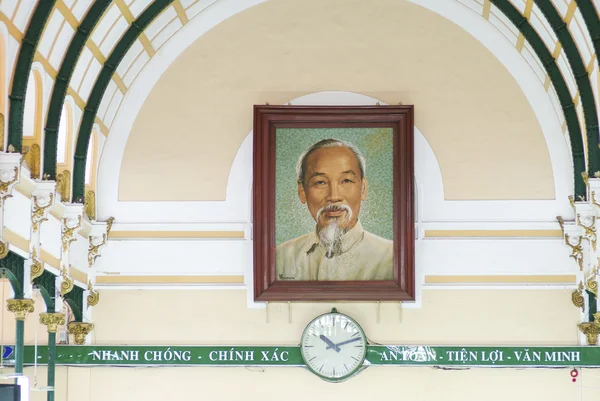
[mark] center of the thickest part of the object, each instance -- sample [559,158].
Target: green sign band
[290,356]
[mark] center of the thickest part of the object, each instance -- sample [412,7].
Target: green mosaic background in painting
[292,218]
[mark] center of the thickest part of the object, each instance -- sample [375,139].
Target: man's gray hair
[329,143]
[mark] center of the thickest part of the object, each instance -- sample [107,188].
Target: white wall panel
[195,257]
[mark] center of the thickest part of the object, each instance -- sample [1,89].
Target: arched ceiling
[123,36]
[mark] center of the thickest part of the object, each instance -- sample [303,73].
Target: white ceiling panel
[198,7]
[80,68]
[7,7]
[166,33]
[562,6]
[112,108]
[135,68]
[534,62]
[90,79]
[186,3]
[64,38]
[138,6]
[105,24]
[81,8]
[107,97]
[473,5]
[113,36]
[50,32]
[160,22]
[23,15]
[129,57]
[565,70]
[582,37]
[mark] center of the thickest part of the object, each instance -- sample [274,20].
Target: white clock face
[334,346]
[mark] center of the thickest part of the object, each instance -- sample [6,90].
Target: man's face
[332,177]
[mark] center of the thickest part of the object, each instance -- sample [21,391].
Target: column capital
[80,330]
[20,307]
[52,320]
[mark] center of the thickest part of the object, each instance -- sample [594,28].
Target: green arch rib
[84,30]
[581,78]
[559,84]
[85,129]
[158,5]
[23,69]
[592,22]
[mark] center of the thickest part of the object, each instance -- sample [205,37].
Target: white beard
[331,234]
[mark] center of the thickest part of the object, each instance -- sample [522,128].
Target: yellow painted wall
[467,105]
[469,317]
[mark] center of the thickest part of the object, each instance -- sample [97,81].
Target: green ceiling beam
[581,78]
[592,22]
[119,51]
[564,97]
[57,99]
[23,69]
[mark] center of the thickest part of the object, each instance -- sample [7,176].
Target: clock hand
[343,343]
[329,343]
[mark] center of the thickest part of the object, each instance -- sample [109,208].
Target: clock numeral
[321,368]
[313,358]
[355,359]
[354,334]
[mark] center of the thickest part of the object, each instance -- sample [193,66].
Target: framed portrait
[333,203]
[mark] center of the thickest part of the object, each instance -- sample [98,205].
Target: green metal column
[19,346]
[51,364]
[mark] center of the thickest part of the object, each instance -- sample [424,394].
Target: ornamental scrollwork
[67,283]
[93,297]
[588,223]
[576,250]
[41,204]
[94,249]
[37,268]
[577,297]
[68,234]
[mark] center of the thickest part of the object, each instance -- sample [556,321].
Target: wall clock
[334,346]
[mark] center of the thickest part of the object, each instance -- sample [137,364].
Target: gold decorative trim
[52,320]
[5,184]
[561,223]
[20,307]
[63,185]
[47,257]
[109,224]
[38,212]
[572,202]
[577,297]
[576,251]
[90,205]
[174,234]
[16,240]
[94,250]
[93,297]
[68,234]
[590,229]
[66,286]
[492,233]
[37,268]
[34,161]
[591,284]
[108,280]
[78,275]
[3,249]
[500,279]
[80,330]
[591,331]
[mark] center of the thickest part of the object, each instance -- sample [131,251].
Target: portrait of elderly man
[332,183]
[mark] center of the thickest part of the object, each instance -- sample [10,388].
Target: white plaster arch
[235,208]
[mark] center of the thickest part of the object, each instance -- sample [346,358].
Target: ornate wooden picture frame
[281,135]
